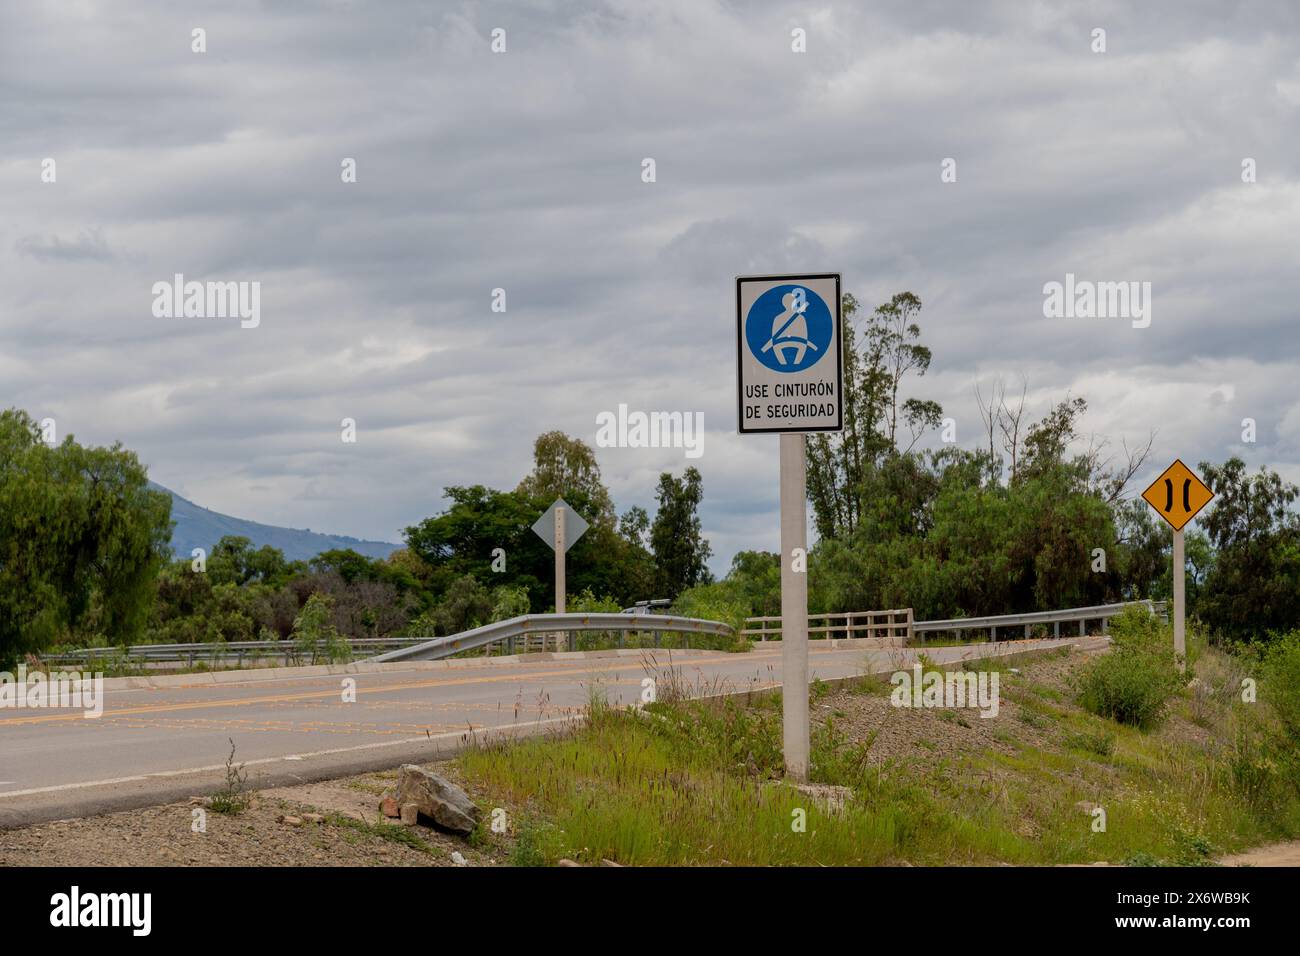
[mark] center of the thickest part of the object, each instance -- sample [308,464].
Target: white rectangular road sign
[789,338]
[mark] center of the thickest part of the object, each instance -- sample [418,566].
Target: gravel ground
[353,833]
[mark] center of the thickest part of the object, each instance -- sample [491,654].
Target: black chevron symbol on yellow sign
[1169,494]
[1178,495]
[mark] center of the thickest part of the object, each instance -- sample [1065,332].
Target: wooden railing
[895,623]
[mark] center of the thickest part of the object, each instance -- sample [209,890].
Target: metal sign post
[1180,600]
[790,380]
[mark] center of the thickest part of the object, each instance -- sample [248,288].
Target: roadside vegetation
[684,782]
[234,797]
[1132,684]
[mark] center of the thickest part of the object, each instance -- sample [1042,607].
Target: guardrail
[1082,615]
[899,624]
[212,652]
[896,623]
[510,631]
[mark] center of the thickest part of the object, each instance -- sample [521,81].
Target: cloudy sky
[522,170]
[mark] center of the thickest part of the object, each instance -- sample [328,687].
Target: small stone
[313,818]
[568,862]
[605,862]
[830,797]
[458,859]
[289,820]
[388,806]
[410,814]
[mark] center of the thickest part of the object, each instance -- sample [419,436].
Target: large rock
[436,798]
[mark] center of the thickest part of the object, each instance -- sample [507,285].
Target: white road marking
[485,732]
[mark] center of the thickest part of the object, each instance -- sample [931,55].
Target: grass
[684,782]
[392,832]
[233,798]
[1100,743]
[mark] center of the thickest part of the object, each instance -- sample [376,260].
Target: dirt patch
[906,733]
[352,833]
[1277,854]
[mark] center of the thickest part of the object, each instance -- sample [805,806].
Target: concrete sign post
[1177,495]
[559,572]
[790,380]
[794,607]
[560,527]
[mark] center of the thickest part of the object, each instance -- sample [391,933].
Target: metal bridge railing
[524,633]
[899,625]
[895,623]
[532,630]
[1100,613]
[214,652]
[511,631]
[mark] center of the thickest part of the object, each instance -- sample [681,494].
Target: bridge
[165,737]
[537,632]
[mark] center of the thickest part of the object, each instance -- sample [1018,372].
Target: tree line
[1035,516]
[85,556]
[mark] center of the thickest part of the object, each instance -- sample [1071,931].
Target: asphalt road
[155,745]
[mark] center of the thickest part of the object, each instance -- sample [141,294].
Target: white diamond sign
[574,525]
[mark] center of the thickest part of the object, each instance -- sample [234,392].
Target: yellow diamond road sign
[1178,495]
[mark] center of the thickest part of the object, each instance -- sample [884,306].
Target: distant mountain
[200,528]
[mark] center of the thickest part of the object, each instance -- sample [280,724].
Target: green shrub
[233,798]
[315,637]
[1254,774]
[509,601]
[1100,743]
[528,850]
[715,602]
[1281,685]
[587,602]
[1134,682]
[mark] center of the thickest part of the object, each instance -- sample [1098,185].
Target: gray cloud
[522,171]
[89,244]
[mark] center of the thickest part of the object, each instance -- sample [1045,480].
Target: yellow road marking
[317,695]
